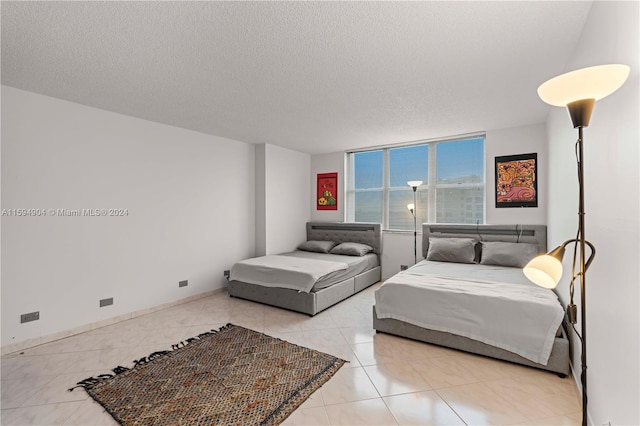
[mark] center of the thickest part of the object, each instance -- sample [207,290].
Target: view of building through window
[453,189]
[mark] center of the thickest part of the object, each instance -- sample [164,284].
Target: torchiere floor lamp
[578,91]
[414,184]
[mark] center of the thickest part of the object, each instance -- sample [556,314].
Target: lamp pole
[413,208]
[583,298]
[415,227]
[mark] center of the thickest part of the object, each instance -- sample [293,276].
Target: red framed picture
[327,198]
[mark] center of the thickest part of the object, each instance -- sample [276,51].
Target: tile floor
[388,381]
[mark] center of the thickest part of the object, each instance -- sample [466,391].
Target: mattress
[305,271]
[492,304]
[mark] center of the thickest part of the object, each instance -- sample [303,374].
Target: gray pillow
[317,246]
[516,255]
[458,250]
[351,249]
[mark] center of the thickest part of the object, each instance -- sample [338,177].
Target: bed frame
[316,301]
[535,234]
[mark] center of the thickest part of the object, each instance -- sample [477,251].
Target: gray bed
[319,299]
[557,343]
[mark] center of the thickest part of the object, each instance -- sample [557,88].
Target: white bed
[302,270]
[487,309]
[310,282]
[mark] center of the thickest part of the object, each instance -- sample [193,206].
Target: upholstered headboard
[534,234]
[341,232]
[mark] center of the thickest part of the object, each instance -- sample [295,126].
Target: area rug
[231,376]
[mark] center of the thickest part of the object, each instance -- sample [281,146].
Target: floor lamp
[577,90]
[414,184]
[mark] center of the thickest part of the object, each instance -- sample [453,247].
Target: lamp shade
[544,271]
[411,207]
[586,83]
[414,183]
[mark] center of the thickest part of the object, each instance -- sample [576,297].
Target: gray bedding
[355,266]
[492,304]
[558,360]
[302,271]
[328,292]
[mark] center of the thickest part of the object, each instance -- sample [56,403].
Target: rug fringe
[92,381]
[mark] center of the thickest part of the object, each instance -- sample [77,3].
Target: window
[453,190]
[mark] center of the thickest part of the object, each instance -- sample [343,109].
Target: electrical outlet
[31,316]
[404,267]
[227,273]
[183,283]
[106,302]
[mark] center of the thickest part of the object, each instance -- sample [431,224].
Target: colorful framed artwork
[517,181]
[327,198]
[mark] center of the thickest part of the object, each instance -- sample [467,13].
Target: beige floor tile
[15,392]
[25,367]
[168,336]
[395,379]
[553,421]
[321,321]
[485,368]
[344,352]
[358,334]
[421,408]
[295,337]
[347,385]
[479,390]
[477,404]
[370,412]
[443,372]
[54,414]
[314,400]
[308,416]
[56,391]
[206,317]
[538,395]
[90,413]
[370,353]
[319,339]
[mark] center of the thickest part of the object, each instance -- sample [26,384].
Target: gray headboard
[534,234]
[341,232]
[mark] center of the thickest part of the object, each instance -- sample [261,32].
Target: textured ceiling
[311,76]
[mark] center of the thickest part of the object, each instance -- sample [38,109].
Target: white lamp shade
[544,271]
[414,183]
[587,83]
[411,206]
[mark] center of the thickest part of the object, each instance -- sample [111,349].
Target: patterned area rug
[233,376]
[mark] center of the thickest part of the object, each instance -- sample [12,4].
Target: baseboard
[102,323]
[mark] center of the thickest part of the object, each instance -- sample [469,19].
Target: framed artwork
[517,181]
[327,198]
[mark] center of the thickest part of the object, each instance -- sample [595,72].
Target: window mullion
[431,184]
[385,188]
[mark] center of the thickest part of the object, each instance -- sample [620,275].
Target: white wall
[612,192]
[190,200]
[398,245]
[286,198]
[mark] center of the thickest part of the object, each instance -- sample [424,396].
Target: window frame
[431,186]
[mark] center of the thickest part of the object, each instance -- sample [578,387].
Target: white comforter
[518,317]
[295,273]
